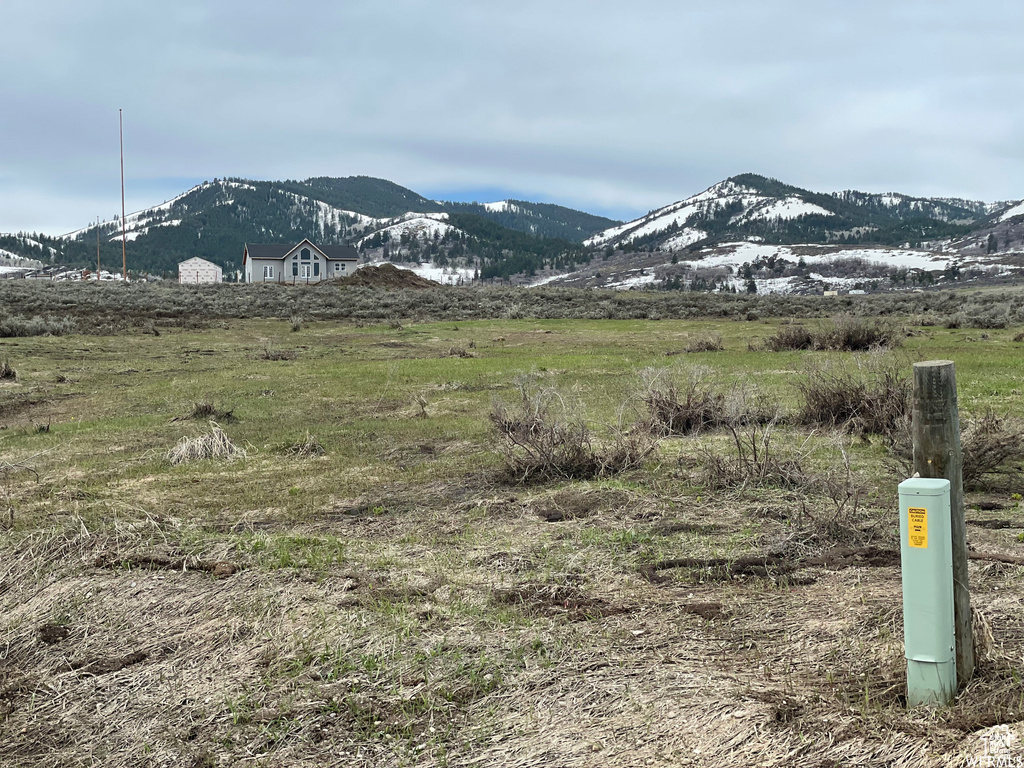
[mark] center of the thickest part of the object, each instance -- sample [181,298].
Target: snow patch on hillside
[736,254]
[419,225]
[788,208]
[1017,210]
[34,243]
[634,281]
[684,239]
[17,262]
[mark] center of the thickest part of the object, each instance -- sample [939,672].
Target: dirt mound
[387,276]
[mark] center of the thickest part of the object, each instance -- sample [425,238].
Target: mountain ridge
[506,238]
[213,219]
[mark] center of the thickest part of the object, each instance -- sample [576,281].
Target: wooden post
[937,454]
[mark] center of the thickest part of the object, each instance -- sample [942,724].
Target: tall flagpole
[124,233]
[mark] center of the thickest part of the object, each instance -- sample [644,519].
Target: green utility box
[926,551]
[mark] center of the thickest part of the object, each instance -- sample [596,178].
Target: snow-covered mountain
[751,207]
[754,233]
[747,227]
[215,219]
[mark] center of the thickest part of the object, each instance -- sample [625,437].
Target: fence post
[937,454]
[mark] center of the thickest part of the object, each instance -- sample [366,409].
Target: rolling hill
[215,219]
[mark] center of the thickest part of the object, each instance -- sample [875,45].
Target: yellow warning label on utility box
[917,527]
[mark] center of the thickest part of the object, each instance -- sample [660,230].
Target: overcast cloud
[613,108]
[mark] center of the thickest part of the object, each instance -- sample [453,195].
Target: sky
[609,107]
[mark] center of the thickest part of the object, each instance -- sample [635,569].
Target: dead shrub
[689,401]
[307,448]
[213,445]
[855,334]
[755,463]
[789,338]
[844,334]
[539,441]
[206,410]
[708,342]
[871,399]
[990,445]
[681,407]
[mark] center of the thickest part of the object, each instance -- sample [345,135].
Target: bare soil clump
[387,276]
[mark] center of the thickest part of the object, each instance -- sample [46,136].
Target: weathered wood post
[937,454]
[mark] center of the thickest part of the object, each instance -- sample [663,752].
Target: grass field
[367,586]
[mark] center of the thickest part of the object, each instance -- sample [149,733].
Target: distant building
[302,263]
[196,270]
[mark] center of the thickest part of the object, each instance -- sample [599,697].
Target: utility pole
[124,232]
[97,250]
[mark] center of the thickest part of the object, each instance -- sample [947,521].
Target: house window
[316,268]
[304,273]
[305,254]
[268,271]
[295,268]
[337,267]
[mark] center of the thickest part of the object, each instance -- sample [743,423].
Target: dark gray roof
[279,250]
[339,251]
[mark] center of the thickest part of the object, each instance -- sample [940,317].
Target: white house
[301,263]
[196,270]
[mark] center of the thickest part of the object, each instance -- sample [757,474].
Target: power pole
[124,232]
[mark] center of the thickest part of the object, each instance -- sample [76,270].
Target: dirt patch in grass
[559,600]
[20,404]
[995,524]
[771,565]
[51,634]
[581,503]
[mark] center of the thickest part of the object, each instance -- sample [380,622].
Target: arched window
[305,254]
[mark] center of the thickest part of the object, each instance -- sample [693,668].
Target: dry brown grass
[706,342]
[528,639]
[7,372]
[307,448]
[215,444]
